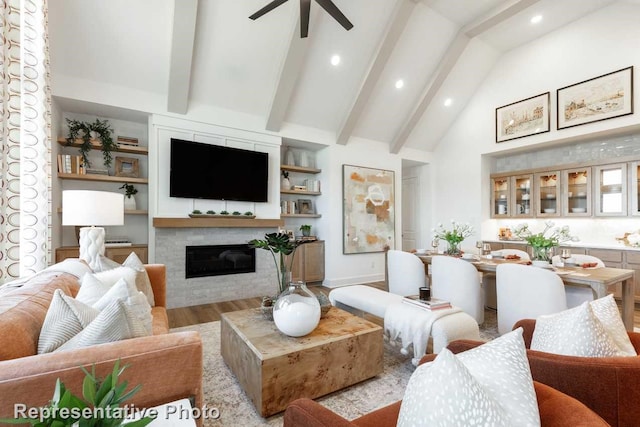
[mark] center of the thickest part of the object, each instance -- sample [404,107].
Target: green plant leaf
[89,389]
[130,394]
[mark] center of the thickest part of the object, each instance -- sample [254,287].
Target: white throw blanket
[412,325]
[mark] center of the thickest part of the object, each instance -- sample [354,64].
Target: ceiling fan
[305,9]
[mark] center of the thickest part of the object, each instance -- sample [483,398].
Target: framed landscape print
[599,98]
[368,209]
[523,118]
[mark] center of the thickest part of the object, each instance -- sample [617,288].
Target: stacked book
[71,164]
[127,140]
[430,304]
[288,207]
[312,185]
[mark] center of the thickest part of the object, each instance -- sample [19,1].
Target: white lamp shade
[84,207]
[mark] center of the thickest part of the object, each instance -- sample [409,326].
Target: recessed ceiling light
[399,84]
[536,19]
[448,102]
[335,60]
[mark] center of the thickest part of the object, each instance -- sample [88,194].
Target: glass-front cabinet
[576,190]
[634,181]
[610,190]
[547,192]
[522,197]
[500,197]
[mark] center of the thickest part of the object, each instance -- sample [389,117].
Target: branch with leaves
[82,130]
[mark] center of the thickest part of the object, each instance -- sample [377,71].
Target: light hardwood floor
[186,316]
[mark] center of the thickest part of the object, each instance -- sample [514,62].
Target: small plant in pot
[129,192]
[306,230]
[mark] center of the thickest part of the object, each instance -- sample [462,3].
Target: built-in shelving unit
[103,178]
[301,192]
[96,146]
[292,192]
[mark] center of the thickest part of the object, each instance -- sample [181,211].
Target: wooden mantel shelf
[216,222]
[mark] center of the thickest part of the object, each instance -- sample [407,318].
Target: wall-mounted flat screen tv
[206,171]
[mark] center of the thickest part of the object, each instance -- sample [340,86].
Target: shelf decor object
[368,209]
[92,208]
[127,167]
[523,118]
[87,133]
[599,98]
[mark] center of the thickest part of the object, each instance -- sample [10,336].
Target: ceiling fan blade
[305,10]
[333,10]
[267,8]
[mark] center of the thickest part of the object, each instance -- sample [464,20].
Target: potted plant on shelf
[100,129]
[286,184]
[306,230]
[542,244]
[453,237]
[129,192]
[276,243]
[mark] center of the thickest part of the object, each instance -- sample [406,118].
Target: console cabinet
[118,254]
[308,263]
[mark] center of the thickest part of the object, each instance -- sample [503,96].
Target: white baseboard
[358,280]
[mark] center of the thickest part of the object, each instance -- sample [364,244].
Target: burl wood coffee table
[274,369]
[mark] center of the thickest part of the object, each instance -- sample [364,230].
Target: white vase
[297,311]
[286,184]
[129,203]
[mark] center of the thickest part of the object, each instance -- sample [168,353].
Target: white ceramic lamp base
[91,245]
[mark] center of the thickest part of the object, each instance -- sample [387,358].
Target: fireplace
[219,260]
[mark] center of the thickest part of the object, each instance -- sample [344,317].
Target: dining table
[601,280]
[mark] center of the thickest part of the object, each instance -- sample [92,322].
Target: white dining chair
[489,280]
[456,280]
[576,295]
[406,273]
[526,292]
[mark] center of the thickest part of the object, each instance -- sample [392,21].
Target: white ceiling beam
[288,79]
[449,60]
[182,40]
[401,14]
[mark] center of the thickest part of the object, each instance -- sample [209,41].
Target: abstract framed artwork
[600,98]
[523,118]
[368,209]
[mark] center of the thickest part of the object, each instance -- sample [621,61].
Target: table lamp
[90,208]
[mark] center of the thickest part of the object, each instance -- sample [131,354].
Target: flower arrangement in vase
[453,237]
[542,243]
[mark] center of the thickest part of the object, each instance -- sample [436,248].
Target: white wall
[584,49]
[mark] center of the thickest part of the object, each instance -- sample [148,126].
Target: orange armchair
[556,410]
[610,386]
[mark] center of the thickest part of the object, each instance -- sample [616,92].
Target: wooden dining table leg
[628,303]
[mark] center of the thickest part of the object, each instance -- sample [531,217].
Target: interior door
[410,215]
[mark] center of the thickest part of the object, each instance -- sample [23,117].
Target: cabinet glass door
[611,190]
[577,192]
[522,196]
[500,197]
[634,206]
[547,186]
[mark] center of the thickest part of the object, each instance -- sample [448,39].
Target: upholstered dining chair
[576,295]
[489,279]
[406,273]
[456,280]
[526,292]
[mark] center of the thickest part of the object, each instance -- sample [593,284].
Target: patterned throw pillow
[65,318]
[488,385]
[143,283]
[574,332]
[606,310]
[133,299]
[114,323]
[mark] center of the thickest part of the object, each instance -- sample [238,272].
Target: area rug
[223,392]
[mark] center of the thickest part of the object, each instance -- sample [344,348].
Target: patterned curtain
[25,125]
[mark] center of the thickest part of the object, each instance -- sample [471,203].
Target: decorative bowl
[549,210]
[578,210]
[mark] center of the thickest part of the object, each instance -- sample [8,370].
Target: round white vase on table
[297,311]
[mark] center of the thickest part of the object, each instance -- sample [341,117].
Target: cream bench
[442,327]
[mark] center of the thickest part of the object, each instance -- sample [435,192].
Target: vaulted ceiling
[207,55]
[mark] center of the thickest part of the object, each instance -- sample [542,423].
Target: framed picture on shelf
[291,235]
[305,206]
[127,167]
[599,98]
[523,118]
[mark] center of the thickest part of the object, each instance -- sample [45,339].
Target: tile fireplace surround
[170,249]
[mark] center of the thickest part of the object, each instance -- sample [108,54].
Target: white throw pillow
[103,264]
[501,391]
[135,301]
[606,310]
[75,266]
[114,323]
[94,286]
[574,332]
[143,283]
[65,318]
